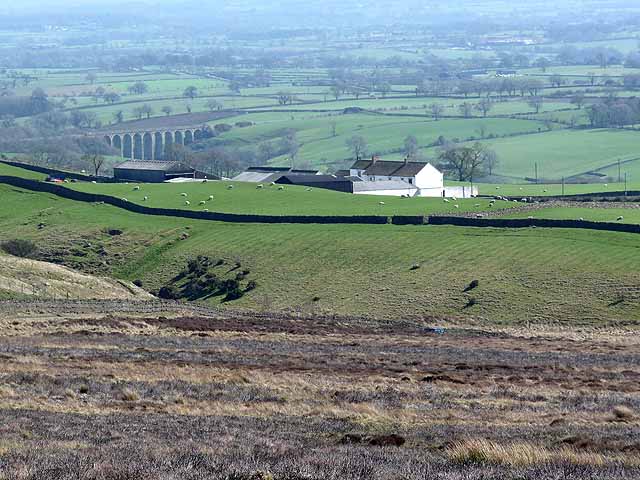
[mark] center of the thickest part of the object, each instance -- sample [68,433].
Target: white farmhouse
[414,179]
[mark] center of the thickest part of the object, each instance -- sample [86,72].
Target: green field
[630,215]
[270,200]
[564,153]
[537,275]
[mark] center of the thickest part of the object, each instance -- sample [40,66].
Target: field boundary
[64,192]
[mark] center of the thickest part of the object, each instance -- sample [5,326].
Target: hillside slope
[24,277]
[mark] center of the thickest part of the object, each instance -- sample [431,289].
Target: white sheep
[477,205]
[454,198]
[93,181]
[260,186]
[136,188]
[530,217]
[183,194]
[446,200]
[497,188]
[205,209]
[272,183]
[380,203]
[202,202]
[187,202]
[545,191]
[620,218]
[307,189]
[205,180]
[210,197]
[456,206]
[606,184]
[280,187]
[125,200]
[229,187]
[581,219]
[145,198]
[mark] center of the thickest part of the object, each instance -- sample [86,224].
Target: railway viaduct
[150,144]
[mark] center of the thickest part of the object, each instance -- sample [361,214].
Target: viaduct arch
[151,144]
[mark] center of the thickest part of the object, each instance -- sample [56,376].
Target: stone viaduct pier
[150,144]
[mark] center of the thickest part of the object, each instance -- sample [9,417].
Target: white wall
[389,193]
[429,178]
[461,192]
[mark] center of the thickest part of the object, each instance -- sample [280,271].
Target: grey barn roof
[389,168]
[268,174]
[153,165]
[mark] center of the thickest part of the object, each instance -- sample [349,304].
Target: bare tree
[357,144]
[466,109]
[333,126]
[411,146]
[167,110]
[436,110]
[190,92]
[485,105]
[91,78]
[213,104]
[95,160]
[464,161]
[536,102]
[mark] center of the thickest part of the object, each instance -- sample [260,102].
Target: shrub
[415,266]
[169,292]
[222,127]
[19,247]
[137,282]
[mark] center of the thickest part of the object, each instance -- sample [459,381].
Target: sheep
[210,197]
[454,198]
[272,183]
[280,187]
[125,200]
[307,189]
[545,191]
[530,217]
[520,188]
[620,218]
[477,205]
[260,186]
[93,181]
[205,209]
[380,203]
[136,188]
[187,203]
[456,206]
[229,187]
[497,188]
[183,194]
[581,219]
[202,202]
[606,185]
[145,198]
[446,200]
[515,201]
[205,180]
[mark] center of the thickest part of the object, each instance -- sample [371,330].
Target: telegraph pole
[619,177]
[536,167]
[562,185]
[625,184]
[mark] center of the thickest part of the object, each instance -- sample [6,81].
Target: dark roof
[154,165]
[281,169]
[307,179]
[342,173]
[388,168]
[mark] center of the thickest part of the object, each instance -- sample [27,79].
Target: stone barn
[150,171]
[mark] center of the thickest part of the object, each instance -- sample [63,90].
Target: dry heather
[33,278]
[205,395]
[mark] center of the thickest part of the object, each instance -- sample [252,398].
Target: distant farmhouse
[366,177]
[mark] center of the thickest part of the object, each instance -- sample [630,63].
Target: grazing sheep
[136,188]
[380,203]
[183,194]
[205,209]
[280,187]
[477,205]
[187,202]
[520,188]
[93,181]
[606,184]
[581,219]
[205,180]
[210,197]
[260,186]
[524,200]
[516,201]
[229,187]
[202,202]
[545,191]
[620,218]
[454,198]
[456,206]
[479,215]
[307,189]
[125,200]
[145,198]
[497,188]
[446,200]
[272,183]
[530,217]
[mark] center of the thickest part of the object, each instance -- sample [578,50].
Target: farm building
[328,182]
[151,171]
[270,174]
[403,178]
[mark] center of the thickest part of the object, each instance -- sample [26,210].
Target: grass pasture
[573,277]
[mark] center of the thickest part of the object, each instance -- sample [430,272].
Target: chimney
[374,159]
[406,159]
